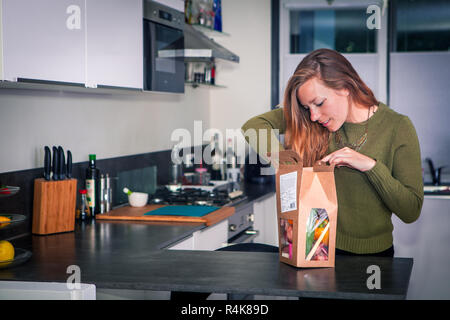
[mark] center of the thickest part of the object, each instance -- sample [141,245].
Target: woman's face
[327,106]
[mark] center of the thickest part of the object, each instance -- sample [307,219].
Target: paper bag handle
[287,156]
[321,166]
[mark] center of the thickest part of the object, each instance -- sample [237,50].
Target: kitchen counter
[109,261]
[129,256]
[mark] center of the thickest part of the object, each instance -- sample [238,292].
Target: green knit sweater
[366,200]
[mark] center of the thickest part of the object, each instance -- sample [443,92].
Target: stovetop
[192,196]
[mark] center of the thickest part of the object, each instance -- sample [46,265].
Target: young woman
[330,114]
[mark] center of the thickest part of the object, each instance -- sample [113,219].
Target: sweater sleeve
[402,188]
[262,132]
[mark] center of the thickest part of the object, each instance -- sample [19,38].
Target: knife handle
[55,166]
[47,159]
[62,164]
[69,164]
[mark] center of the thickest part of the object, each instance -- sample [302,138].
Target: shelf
[208,31]
[200,84]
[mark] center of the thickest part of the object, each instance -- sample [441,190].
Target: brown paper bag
[306,212]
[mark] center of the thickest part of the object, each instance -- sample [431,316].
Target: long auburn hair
[310,139]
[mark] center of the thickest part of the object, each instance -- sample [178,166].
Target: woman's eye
[320,104]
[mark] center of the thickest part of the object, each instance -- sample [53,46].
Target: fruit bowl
[13,219]
[20,256]
[8,191]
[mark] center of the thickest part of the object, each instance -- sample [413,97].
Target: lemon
[3,221]
[6,251]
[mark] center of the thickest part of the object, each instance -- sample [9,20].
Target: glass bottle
[92,185]
[217,8]
[216,157]
[83,211]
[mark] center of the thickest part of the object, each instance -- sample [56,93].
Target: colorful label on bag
[288,191]
[90,194]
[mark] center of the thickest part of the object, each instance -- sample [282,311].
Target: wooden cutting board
[137,214]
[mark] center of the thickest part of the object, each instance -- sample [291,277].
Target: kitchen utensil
[69,165]
[102,193]
[108,194]
[55,165]
[47,161]
[62,163]
[127,213]
[190,211]
[138,199]
[127,191]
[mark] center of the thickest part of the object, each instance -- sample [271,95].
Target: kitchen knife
[55,166]
[47,160]
[69,165]
[62,163]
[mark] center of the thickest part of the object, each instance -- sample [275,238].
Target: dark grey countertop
[128,255]
[109,261]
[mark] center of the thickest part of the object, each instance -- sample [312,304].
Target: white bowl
[138,199]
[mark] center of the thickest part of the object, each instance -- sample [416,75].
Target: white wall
[249,82]
[109,125]
[117,125]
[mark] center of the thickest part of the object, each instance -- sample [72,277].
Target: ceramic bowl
[138,199]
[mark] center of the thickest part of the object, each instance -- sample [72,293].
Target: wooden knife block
[54,206]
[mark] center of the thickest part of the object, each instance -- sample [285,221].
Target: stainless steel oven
[163,40]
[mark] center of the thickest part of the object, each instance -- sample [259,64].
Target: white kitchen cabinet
[175,4]
[426,241]
[212,237]
[43,40]
[185,244]
[30,290]
[209,238]
[265,215]
[90,42]
[114,43]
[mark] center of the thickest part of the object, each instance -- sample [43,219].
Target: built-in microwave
[163,40]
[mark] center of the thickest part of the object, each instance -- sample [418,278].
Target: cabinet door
[44,40]
[265,212]
[114,43]
[175,4]
[211,238]
[187,244]
[426,240]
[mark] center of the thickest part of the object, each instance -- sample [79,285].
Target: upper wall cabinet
[114,43]
[91,42]
[44,40]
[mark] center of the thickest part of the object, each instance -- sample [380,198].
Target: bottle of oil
[92,186]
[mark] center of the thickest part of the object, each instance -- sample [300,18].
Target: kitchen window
[343,30]
[307,25]
[421,25]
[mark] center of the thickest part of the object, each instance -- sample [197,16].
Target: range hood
[198,47]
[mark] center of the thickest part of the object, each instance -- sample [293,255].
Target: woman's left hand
[350,158]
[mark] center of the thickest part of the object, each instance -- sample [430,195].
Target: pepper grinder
[108,194]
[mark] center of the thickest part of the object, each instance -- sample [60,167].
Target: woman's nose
[314,114]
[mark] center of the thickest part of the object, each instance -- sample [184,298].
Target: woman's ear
[343,92]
